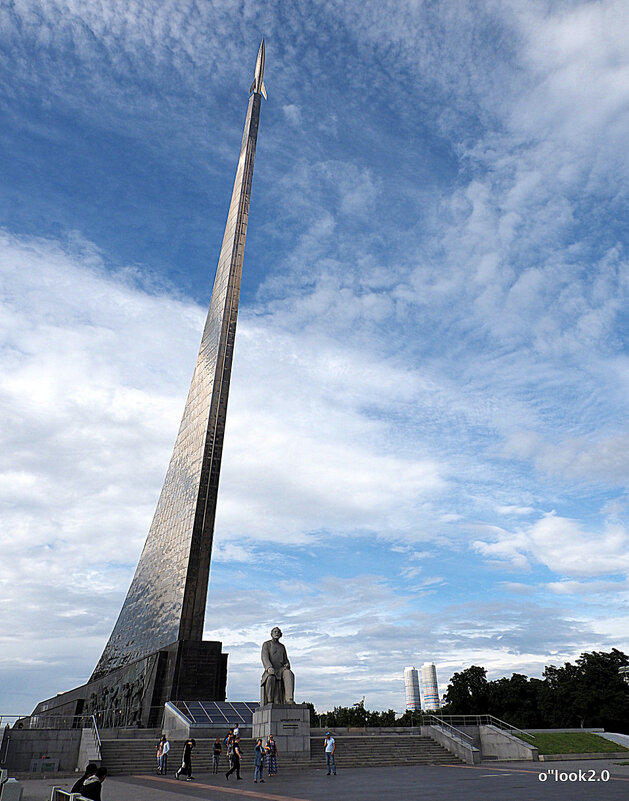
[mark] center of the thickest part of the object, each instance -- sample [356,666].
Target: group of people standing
[264,756]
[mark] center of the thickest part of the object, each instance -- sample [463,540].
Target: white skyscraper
[411,683]
[430,687]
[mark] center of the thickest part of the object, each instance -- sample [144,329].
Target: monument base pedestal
[288,723]
[134,695]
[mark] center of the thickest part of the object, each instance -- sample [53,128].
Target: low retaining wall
[464,751]
[26,745]
[569,757]
[503,746]
[367,731]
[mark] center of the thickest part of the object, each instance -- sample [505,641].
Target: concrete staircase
[124,756]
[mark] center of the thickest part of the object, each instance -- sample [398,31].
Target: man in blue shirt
[330,747]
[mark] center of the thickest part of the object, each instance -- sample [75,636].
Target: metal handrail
[97,740]
[480,720]
[5,719]
[43,721]
[59,794]
[455,733]
[503,725]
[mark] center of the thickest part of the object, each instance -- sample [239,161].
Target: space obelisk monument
[155,652]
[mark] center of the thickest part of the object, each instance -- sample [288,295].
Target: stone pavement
[489,782]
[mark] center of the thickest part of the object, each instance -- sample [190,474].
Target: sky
[427,447]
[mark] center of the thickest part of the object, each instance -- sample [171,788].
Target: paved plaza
[505,782]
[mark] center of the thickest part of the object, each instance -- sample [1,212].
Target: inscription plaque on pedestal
[288,723]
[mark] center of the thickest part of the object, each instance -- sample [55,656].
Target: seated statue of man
[277,685]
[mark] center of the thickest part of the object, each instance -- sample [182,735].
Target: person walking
[186,761]
[216,754]
[163,747]
[229,745]
[258,762]
[236,757]
[330,747]
[271,756]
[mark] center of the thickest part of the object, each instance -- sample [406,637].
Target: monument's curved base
[135,694]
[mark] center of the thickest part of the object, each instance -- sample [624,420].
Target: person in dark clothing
[236,756]
[271,755]
[216,754]
[93,784]
[258,762]
[90,770]
[186,762]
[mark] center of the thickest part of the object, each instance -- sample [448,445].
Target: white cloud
[93,371]
[361,630]
[605,458]
[564,546]
[418,335]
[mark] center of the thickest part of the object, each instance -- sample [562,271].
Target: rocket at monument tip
[258,78]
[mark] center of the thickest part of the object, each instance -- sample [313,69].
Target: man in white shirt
[163,760]
[329,746]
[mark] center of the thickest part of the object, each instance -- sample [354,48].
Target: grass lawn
[582,742]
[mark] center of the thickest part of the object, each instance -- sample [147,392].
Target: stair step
[137,755]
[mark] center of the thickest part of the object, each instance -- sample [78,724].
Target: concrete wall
[467,752]
[367,731]
[27,744]
[130,734]
[502,745]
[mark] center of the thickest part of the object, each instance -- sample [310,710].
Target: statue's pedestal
[288,723]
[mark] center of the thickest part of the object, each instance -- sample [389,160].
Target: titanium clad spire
[258,78]
[167,597]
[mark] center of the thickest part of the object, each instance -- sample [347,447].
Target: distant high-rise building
[411,684]
[430,687]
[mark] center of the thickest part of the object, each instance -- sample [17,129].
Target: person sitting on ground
[92,785]
[90,770]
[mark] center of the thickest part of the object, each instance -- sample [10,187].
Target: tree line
[589,693]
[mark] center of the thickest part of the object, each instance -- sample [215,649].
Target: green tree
[410,718]
[387,718]
[352,716]
[588,693]
[356,715]
[467,693]
[516,700]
